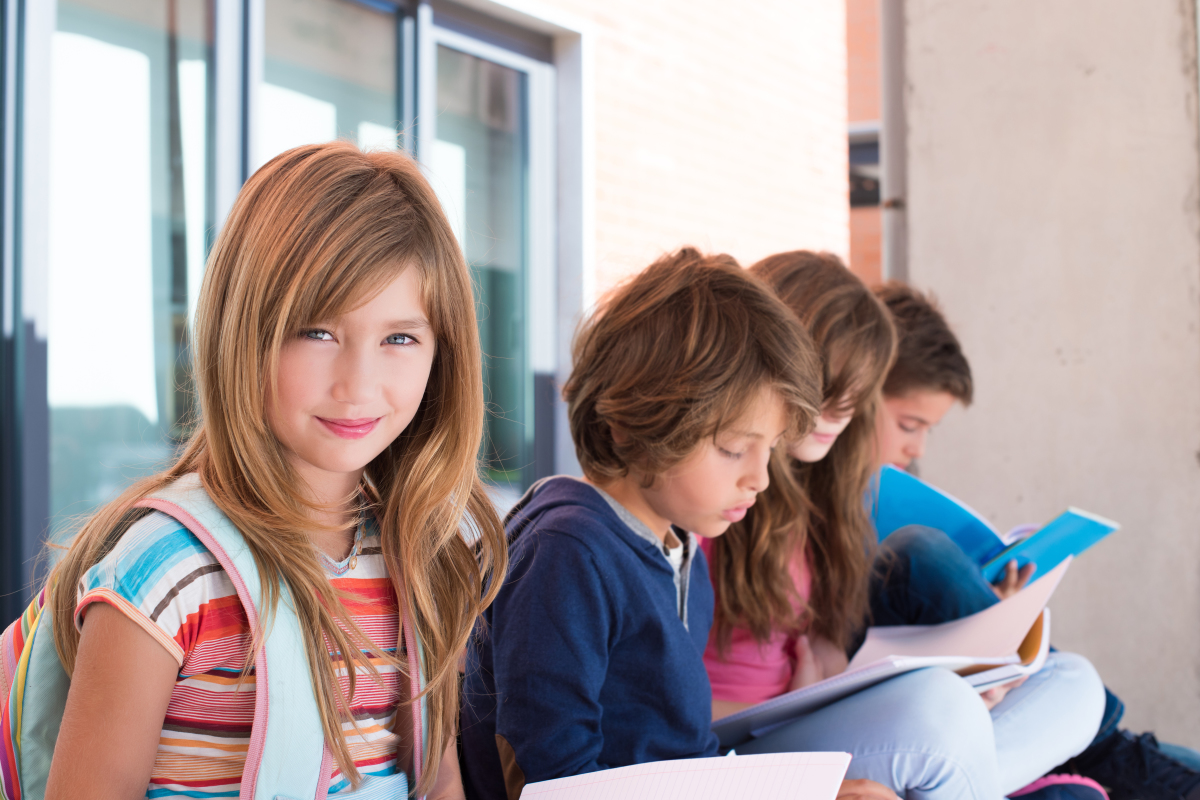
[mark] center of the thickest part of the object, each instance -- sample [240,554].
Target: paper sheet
[994,633]
[776,776]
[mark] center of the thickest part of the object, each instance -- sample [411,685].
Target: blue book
[904,499]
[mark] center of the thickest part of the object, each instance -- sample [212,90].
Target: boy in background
[932,581]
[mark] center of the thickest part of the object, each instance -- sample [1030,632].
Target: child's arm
[115,708]
[816,658]
[552,627]
[449,783]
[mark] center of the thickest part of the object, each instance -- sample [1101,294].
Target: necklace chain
[339,568]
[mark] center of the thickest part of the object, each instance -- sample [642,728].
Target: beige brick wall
[718,125]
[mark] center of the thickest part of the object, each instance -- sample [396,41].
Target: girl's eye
[400,338]
[729,454]
[318,335]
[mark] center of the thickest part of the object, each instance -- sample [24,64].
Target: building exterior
[1054,208]
[570,142]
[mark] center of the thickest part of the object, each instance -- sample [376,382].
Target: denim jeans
[928,736]
[923,578]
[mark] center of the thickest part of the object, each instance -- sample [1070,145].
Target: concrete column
[1054,208]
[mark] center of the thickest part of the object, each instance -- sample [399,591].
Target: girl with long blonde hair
[338,373]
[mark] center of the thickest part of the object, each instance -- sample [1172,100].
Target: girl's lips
[350,428]
[823,438]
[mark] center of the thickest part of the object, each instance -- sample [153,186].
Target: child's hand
[808,669]
[832,658]
[992,697]
[1013,581]
[865,790]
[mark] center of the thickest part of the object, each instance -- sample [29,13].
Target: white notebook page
[775,776]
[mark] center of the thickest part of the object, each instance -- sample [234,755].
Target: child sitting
[590,657]
[931,580]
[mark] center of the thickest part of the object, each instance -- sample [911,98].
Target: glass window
[329,71]
[479,166]
[129,221]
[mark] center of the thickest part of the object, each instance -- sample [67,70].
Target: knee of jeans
[1084,683]
[918,542]
[947,713]
[917,538]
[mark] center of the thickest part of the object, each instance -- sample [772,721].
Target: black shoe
[1133,768]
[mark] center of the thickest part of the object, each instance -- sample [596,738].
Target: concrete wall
[1055,210]
[716,125]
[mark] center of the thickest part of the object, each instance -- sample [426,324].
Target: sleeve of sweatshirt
[552,627]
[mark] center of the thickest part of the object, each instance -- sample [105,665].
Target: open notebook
[905,499]
[776,776]
[994,646]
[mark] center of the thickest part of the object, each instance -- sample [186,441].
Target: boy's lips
[350,428]
[737,513]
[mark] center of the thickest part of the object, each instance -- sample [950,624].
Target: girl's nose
[354,378]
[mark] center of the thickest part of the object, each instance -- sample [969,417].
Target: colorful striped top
[160,576]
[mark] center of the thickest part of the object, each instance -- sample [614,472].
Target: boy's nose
[760,477]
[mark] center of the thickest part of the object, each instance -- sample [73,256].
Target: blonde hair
[316,232]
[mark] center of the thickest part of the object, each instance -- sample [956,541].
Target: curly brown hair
[674,354]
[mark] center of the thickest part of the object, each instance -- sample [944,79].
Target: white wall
[1055,210]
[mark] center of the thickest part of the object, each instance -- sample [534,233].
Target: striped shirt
[160,576]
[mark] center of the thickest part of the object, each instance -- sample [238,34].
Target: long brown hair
[815,507]
[315,233]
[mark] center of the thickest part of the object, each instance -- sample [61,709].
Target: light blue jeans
[928,736]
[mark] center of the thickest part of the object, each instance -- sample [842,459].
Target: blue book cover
[904,499]
[1068,534]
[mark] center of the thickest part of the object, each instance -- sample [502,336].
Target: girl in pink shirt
[792,587]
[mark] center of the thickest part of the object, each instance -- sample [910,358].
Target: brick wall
[863,105]
[717,125]
[862,59]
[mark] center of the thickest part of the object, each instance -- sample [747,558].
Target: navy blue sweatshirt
[584,662]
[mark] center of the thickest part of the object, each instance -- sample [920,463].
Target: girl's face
[835,416]
[348,386]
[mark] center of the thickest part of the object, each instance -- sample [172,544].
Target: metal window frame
[541,278]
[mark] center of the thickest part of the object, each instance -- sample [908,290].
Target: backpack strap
[416,657]
[34,707]
[288,755]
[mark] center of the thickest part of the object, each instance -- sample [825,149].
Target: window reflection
[479,167]
[329,71]
[128,226]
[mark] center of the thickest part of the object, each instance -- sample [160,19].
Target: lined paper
[773,776]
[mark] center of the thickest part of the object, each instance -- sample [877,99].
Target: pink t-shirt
[751,672]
